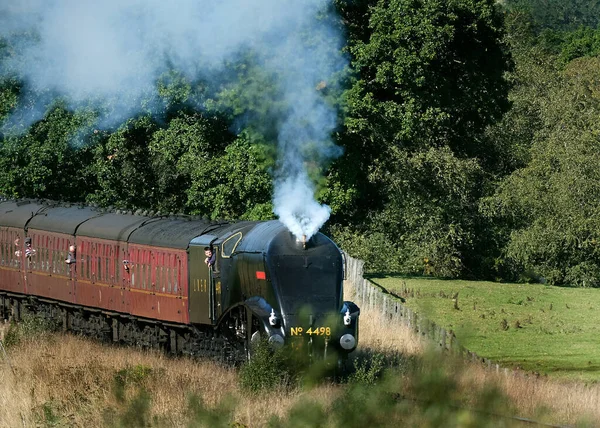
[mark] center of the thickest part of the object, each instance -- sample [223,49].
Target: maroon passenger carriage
[142,280]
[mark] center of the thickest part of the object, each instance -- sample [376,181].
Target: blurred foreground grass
[56,380]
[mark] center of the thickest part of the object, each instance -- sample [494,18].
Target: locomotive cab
[205,282]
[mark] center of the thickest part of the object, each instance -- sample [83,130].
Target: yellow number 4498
[319,331]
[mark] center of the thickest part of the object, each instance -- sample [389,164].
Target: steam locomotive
[144,280]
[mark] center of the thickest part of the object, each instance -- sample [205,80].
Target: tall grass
[61,380]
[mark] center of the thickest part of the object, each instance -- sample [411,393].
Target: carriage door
[204,285]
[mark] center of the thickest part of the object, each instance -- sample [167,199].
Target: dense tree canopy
[469,133]
[429,79]
[558,14]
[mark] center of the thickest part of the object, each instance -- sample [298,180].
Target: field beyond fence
[391,309]
[527,328]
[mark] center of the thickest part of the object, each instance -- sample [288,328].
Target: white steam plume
[89,50]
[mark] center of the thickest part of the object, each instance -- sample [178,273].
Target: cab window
[230,244]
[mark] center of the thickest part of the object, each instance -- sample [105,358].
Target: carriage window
[168,275]
[149,276]
[176,276]
[144,276]
[15,251]
[163,279]
[157,278]
[82,266]
[230,244]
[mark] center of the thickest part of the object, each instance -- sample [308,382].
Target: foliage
[549,204]
[130,388]
[430,74]
[129,376]
[189,142]
[378,252]
[430,211]
[9,96]
[266,370]
[429,79]
[558,14]
[133,413]
[233,185]
[584,42]
[31,327]
[122,166]
[429,396]
[367,371]
[200,414]
[46,161]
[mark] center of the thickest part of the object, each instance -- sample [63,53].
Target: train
[187,285]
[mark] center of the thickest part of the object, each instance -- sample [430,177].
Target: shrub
[266,369]
[367,370]
[30,327]
[129,376]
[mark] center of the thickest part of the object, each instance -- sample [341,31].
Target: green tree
[232,185]
[49,160]
[558,14]
[431,74]
[9,96]
[551,204]
[122,166]
[187,141]
[429,80]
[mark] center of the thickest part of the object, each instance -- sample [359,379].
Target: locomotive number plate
[312,331]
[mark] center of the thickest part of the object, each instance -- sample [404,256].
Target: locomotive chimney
[300,241]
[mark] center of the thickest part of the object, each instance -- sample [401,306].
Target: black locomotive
[148,280]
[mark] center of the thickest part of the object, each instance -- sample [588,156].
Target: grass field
[549,330]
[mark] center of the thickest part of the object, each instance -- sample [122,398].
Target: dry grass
[379,335]
[73,380]
[541,397]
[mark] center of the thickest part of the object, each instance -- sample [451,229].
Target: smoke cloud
[115,50]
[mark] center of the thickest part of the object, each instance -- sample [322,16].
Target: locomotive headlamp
[348,342]
[347,318]
[276,341]
[273,320]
